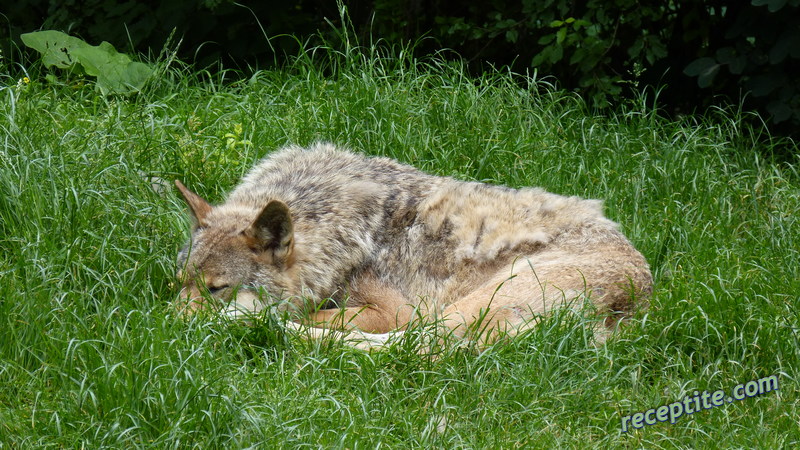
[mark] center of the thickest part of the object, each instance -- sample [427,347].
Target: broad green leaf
[547,39]
[561,35]
[725,55]
[764,84]
[772,5]
[580,24]
[705,69]
[556,54]
[115,71]
[787,43]
[512,35]
[780,110]
[699,66]
[707,76]
[57,48]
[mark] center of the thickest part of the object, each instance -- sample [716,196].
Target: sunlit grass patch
[92,351]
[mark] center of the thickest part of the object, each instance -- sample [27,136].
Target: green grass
[91,354]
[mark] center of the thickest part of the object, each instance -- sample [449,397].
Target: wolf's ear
[273,231]
[199,207]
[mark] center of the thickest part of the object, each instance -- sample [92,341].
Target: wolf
[368,244]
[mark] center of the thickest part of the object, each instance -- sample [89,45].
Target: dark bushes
[699,52]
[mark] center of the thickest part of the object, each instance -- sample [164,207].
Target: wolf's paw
[352,338]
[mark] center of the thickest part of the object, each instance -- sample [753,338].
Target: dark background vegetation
[693,54]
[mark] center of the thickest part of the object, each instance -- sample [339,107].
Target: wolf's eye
[213,290]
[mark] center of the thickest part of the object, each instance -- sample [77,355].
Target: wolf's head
[235,250]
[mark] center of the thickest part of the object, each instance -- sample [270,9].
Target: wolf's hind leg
[511,300]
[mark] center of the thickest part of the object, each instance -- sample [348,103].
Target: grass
[91,354]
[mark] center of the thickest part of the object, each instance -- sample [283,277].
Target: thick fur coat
[368,243]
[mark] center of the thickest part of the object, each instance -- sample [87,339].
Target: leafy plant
[597,47]
[695,53]
[758,53]
[116,73]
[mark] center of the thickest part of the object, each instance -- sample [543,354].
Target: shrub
[696,52]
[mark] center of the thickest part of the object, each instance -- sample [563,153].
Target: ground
[92,352]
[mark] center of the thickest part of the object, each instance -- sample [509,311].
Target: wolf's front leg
[353,338]
[373,307]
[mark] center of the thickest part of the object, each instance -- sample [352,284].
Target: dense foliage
[697,49]
[695,52]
